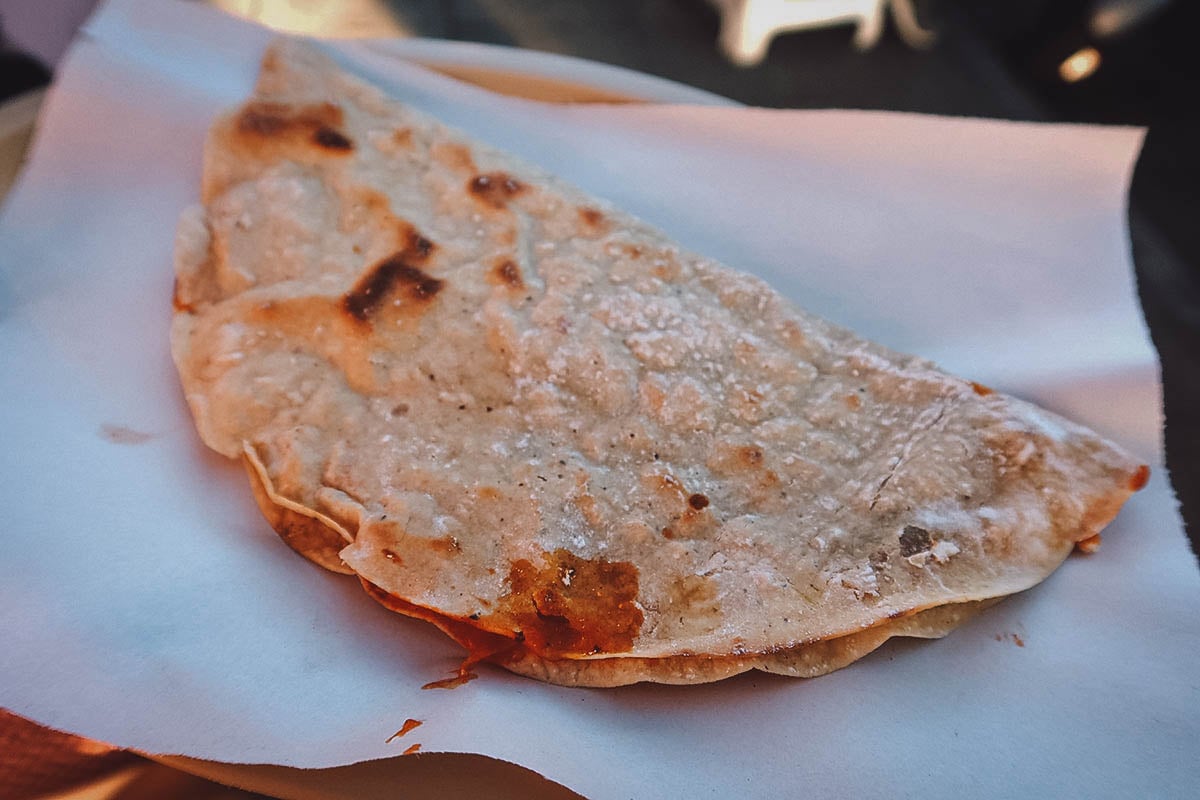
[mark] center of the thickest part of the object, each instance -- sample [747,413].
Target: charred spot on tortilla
[594,221]
[591,216]
[332,139]
[391,273]
[263,119]
[914,540]
[506,272]
[419,248]
[319,123]
[495,189]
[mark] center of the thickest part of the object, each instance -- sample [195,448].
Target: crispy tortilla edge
[310,533]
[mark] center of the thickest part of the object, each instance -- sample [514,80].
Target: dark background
[994,58]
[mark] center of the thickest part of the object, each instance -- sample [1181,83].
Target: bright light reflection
[323,18]
[1079,65]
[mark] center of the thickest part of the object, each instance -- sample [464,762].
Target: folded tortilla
[583,452]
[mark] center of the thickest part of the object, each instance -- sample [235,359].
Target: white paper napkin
[144,601]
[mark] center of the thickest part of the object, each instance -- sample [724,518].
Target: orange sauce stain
[408,725]
[568,607]
[574,606]
[460,678]
[480,644]
[412,748]
[1140,478]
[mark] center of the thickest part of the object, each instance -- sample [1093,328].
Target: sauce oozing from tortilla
[480,644]
[1140,478]
[569,607]
[574,606]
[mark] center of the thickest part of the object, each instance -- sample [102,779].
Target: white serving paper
[143,600]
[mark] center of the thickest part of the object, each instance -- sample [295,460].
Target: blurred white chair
[747,26]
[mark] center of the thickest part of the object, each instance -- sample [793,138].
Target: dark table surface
[1164,222]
